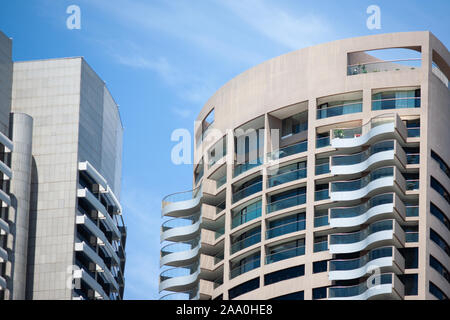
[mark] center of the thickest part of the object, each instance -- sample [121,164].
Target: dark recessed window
[438,213]
[319,293]
[440,241]
[436,185]
[439,267]
[284,274]
[320,266]
[438,293]
[410,283]
[442,164]
[300,295]
[243,288]
[411,256]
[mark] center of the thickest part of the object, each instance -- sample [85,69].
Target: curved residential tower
[320,174]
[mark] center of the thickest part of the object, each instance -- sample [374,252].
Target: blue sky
[161,61]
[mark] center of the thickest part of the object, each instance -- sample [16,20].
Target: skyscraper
[66,236]
[320,174]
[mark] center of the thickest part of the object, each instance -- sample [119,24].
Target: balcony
[383,66]
[381,127]
[322,142]
[221,181]
[412,211]
[412,184]
[323,168]
[381,153]
[321,195]
[246,267]
[245,243]
[243,167]
[413,158]
[380,206]
[286,203]
[180,253]
[339,110]
[321,221]
[242,218]
[379,179]
[396,103]
[383,286]
[385,232]
[247,191]
[286,228]
[180,229]
[321,246]
[286,177]
[388,258]
[189,295]
[179,279]
[182,203]
[285,254]
[288,151]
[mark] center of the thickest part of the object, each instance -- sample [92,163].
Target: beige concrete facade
[301,81]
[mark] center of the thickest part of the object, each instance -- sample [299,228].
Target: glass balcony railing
[348,160]
[247,191]
[177,272]
[180,222]
[286,203]
[323,168]
[218,257]
[396,103]
[218,282]
[339,110]
[243,167]
[351,133]
[411,236]
[412,211]
[288,151]
[321,221]
[321,246]
[179,295]
[285,177]
[322,142]
[348,238]
[351,212]
[248,266]
[359,289]
[179,247]
[182,196]
[413,158]
[321,195]
[246,242]
[382,66]
[344,186]
[352,264]
[285,254]
[412,184]
[242,218]
[219,233]
[220,182]
[286,228]
[220,207]
[413,132]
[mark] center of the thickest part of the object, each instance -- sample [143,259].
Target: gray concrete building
[63,233]
[320,174]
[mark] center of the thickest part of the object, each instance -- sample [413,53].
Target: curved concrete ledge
[186,206]
[2,283]
[179,283]
[4,226]
[3,254]
[363,192]
[364,139]
[359,272]
[363,218]
[363,244]
[364,165]
[181,233]
[381,289]
[180,257]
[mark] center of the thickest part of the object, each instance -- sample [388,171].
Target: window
[320,266]
[209,119]
[435,291]
[413,128]
[292,223]
[299,295]
[285,251]
[294,124]
[439,241]
[320,243]
[396,99]
[440,189]
[243,288]
[435,211]
[441,163]
[410,283]
[284,274]
[411,256]
[439,267]
[319,293]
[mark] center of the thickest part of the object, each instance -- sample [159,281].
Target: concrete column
[21,126]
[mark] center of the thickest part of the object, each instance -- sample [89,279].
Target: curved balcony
[380,206]
[91,282]
[383,286]
[3,255]
[381,178]
[245,243]
[182,203]
[179,279]
[2,283]
[247,191]
[286,228]
[285,254]
[4,226]
[181,229]
[381,153]
[385,232]
[386,257]
[188,295]
[286,203]
[285,177]
[180,253]
[246,267]
[380,127]
[245,217]
[288,151]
